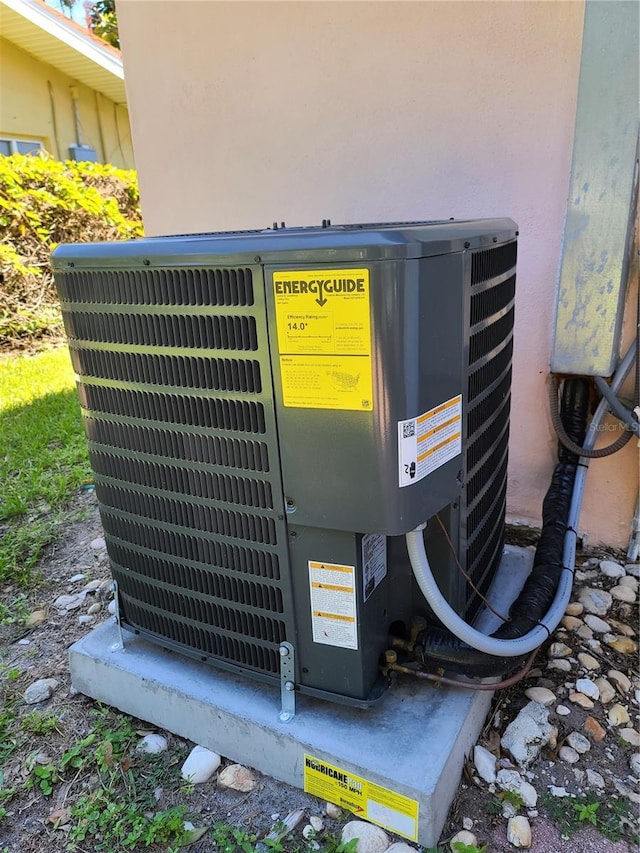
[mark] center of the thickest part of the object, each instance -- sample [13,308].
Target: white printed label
[425,443]
[403,824]
[374,561]
[333,605]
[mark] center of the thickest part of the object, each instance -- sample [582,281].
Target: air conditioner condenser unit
[269,412]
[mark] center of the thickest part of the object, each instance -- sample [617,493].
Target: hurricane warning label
[387,808]
[324,338]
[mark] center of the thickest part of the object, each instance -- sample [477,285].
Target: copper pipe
[469,685]
[418,624]
[400,644]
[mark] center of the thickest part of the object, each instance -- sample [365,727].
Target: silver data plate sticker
[374,562]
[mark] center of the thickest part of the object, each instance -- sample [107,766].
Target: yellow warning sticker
[324,338]
[333,604]
[388,809]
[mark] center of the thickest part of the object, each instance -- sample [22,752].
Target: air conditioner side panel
[343,660]
[341,468]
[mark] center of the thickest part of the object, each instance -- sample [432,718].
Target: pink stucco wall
[243,113]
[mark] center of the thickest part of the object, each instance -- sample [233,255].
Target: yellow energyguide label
[324,338]
[374,803]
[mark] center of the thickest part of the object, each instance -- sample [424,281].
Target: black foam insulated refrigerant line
[541,585]
[442,647]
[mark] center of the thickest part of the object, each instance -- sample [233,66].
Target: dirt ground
[41,652]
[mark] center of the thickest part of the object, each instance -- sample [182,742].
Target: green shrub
[44,202]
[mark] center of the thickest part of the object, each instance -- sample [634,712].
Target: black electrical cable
[566,440]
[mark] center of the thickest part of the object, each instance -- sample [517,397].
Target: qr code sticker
[409,429]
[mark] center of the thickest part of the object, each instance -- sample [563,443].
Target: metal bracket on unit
[287,683]
[118,646]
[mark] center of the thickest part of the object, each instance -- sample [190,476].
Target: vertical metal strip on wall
[601,211]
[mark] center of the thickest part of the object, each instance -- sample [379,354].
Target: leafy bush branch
[44,202]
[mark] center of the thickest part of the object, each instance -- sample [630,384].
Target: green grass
[611,816]
[110,803]
[43,456]
[114,808]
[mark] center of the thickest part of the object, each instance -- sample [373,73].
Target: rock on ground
[70,602]
[623,593]
[519,831]
[568,754]
[630,736]
[333,811]
[559,650]
[598,625]
[525,736]
[540,694]
[560,664]
[595,779]
[618,715]
[578,742]
[588,687]
[308,832]
[620,679]
[36,618]
[611,569]
[605,689]
[200,765]
[485,763]
[40,690]
[596,601]
[511,780]
[371,839]
[592,727]
[152,744]
[463,837]
[581,700]
[588,661]
[624,645]
[237,777]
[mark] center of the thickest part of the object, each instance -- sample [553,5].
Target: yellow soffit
[50,37]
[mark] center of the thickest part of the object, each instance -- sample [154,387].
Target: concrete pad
[515,567]
[413,743]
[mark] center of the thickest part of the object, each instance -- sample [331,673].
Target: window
[19,146]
